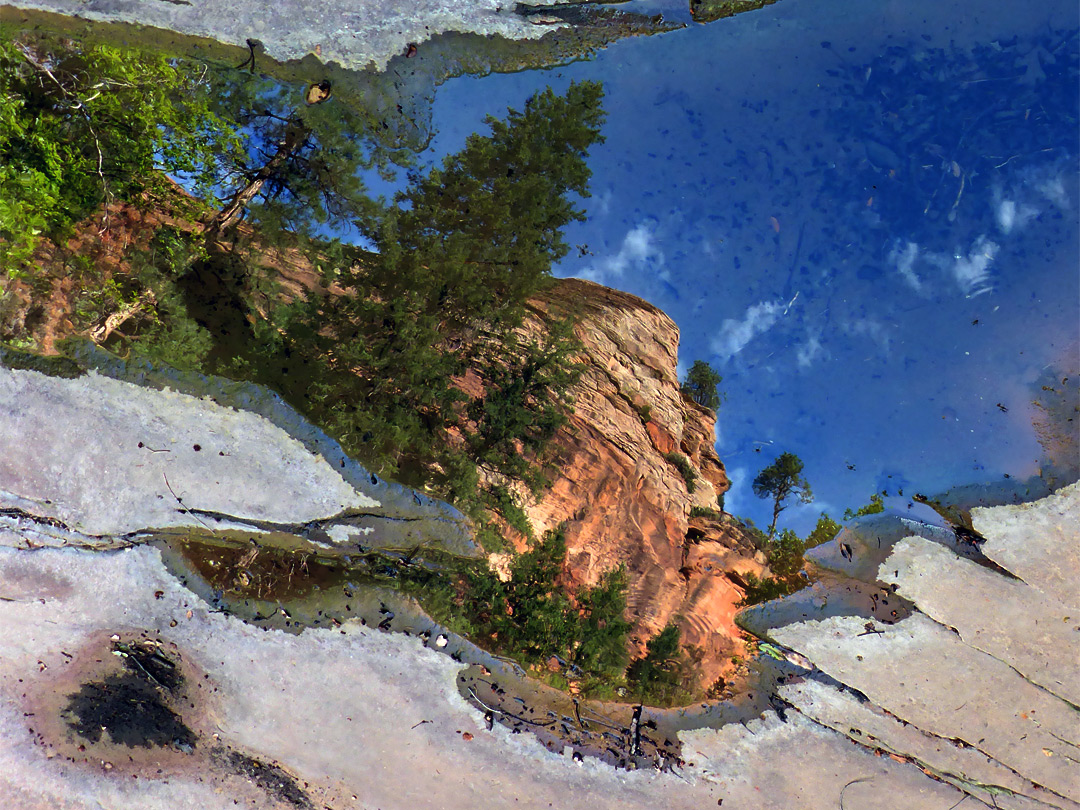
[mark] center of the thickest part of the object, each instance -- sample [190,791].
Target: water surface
[863,215]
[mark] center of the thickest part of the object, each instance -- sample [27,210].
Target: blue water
[863,214]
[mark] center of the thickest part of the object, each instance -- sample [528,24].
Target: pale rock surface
[66,442]
[978,684]
[920,671]
[352,33]
[1026,628]
[947,759]
[61,440]
[1037,542]
[340,711]
[772,765]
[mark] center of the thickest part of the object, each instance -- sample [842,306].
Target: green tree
[780,481]
[481,232]
[701,385]
[604,626]
[824,531]
[876,506]
[85,126]
[458,257]
[532,616]
[659,674]
[785,554]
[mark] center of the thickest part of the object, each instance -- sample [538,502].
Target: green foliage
[83,126]
[785,558]
[659,676]
[824,531]
[701,511]
[378,364]
[504,502]
[781,480]
[765,589]
[482,231]
[604,627]
[686,470]
[473,241]
[785,554]
[701,385]
[532,617]
[876,506]
[524,401]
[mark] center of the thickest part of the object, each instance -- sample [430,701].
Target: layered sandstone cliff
[615,488]
[621,498]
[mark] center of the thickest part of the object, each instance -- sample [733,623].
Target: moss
[686,470]
[703,512]
[54,366]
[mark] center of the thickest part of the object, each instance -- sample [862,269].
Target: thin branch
[101,333]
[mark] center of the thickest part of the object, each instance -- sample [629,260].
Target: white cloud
[1010,215]
[810,351]
[972,272]
[736,333]
[872,328]
[602,204]
[904,259]
[638,250]
[1053,188]
[736,498]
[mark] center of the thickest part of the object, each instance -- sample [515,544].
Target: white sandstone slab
[108,457]
[872,727]
[1022,627]
[1039,542]
[924,674]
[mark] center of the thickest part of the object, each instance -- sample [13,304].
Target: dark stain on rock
[270,778]
[134,706]
[131,711]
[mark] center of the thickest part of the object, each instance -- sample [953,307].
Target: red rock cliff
[622,501]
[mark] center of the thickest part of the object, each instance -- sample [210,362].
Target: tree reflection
[391,305]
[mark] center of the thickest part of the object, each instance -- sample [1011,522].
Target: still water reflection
[864,215]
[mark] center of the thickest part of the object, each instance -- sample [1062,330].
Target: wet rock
[351,34]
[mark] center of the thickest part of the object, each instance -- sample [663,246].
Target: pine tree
[781,480]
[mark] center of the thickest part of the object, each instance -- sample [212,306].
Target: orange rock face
[622,501]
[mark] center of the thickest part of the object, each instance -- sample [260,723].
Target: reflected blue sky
[864,215]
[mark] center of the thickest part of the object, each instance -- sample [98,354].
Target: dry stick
[849,784]
[181,502]
[493,710]
[101,333]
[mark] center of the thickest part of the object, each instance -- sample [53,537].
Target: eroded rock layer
[617,489]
